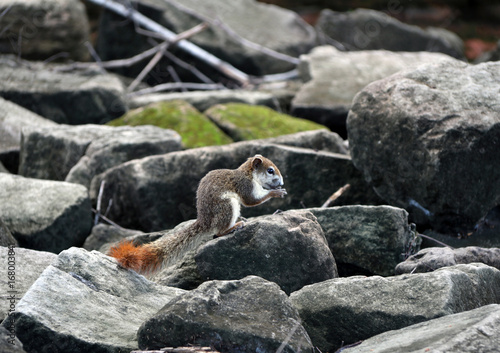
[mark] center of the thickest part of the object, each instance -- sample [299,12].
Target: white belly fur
[235,203]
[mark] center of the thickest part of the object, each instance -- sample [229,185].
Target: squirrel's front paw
[279,192]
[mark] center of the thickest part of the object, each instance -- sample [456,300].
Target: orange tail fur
[142,258]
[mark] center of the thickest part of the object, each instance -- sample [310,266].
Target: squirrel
[218,199]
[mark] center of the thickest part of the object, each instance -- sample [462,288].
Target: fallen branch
[335,195]
[184,45]
[178,85]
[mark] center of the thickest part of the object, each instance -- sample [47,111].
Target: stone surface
[332,79]
[39,29]
[367,239]
[158,192]
[356,308]
[13,118]
[9,342]
[195,128]
[28,265]
[468,332]
[202,100]
[430,259]
[421,135]
[364,29]
[6,238]
[85,302]
[246,122]
[246,315]
[45,215]
[318,140]
[249,19]
[66,98]
[77,153]
[288,248]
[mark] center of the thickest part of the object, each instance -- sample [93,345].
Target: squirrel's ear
[257,160]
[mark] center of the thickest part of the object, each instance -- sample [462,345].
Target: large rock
[9,343]
[42,28]
[103,234]
[364,29]
[468,332]
[269,26]
[13,118]
[288,248]
[332,79]
[158,192]
[245,122]
[6,238]
[427,139]
[77,153]
[85,302]
[367,239]
[27,266]
[430,259]
[45,215]
[347,310]
[247,315]
[69,98]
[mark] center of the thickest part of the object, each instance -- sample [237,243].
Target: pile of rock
[75,149]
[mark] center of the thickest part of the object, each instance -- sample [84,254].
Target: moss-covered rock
[195,128]
[248,122]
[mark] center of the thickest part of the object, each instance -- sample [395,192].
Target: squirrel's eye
[270,170]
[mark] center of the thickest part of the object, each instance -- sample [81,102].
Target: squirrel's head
[265,172]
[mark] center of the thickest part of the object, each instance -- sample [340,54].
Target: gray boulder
[9,343]
[77,153]
[249,19]
[43,28]
[104,234]
[427,139]
[246,315]
[45,215]
[347,310]
[430,259]
[28,265]
[468,332]
[85,302]
[13,118]
[160,190]
[367,239]
[288,248]
[332,79]
[364,29]
[67,98]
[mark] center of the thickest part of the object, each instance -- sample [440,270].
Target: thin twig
[94,54]
[177,85]
[435,240]
[107,220]
[335,195]
[99,200]
[203,78]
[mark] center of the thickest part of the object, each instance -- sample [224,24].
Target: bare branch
[184,45]
[178,85]
[335,195]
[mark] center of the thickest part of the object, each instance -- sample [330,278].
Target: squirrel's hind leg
[233,229]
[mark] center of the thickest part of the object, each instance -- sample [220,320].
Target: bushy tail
[140,258]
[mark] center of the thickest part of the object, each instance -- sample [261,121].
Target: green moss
[195,128]
[247,122]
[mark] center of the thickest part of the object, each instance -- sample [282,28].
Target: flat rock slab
[288,248]
[45,215]
[78,153]
[422,135]
[85,302]
[39,29]
[246,315]
[333,77]
[430,259]
[66,98]
[347,310]
[374,239]
[28,265]
[468,332]
[160,190]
